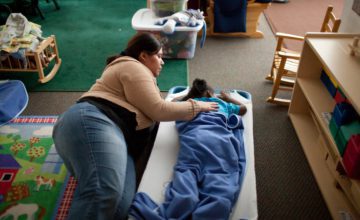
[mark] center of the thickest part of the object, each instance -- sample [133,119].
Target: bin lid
[145,20]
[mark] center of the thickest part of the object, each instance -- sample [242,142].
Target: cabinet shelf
[318,97]
[310,100]
[320,101]
[332,50]
[334,197]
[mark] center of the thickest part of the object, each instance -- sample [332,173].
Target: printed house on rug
[8,170]
[32,175]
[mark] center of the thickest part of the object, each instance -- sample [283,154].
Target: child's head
[199,89]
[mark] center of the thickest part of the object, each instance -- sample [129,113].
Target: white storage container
[179,45]
[163,8]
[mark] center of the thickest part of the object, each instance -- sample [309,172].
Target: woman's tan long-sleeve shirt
[130,84]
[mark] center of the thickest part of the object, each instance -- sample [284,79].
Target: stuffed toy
[187,18]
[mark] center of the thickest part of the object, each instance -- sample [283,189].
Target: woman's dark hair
[198,89]
[140,42]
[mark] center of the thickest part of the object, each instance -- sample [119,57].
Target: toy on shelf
[355,47]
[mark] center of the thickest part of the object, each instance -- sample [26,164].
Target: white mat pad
[159,170]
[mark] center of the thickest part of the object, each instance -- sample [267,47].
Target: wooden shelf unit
[329,52]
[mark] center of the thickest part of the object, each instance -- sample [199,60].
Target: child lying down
[210,166]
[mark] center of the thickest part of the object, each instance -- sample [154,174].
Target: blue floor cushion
[13,100]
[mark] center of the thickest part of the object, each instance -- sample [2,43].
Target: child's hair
[199,89]
[140,42]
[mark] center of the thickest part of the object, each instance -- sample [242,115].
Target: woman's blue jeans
[95,152]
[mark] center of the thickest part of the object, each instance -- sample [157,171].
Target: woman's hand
[207,106]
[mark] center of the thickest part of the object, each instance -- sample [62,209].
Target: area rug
[32,175]
[300,16]
[66,200]
[87,32]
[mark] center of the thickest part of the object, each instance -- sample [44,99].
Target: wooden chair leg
[276,86]
[40,13]
[39,66]
[274,68]
[58,61]
[56,5]
[36,8]
[5,11]
[272,73]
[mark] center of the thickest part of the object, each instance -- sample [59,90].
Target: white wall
[350,21]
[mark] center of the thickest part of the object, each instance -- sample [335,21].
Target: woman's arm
[142,92]
[178,99]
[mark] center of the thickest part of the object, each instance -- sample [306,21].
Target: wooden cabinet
[329,52]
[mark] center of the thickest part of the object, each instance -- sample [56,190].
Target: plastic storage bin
[344,134]
[163,8]
[344,113]
[340,96]
[334,127]
[351,157]
[329,83]
[179,45]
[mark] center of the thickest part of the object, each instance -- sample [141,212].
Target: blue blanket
[13,100]
[208,174]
